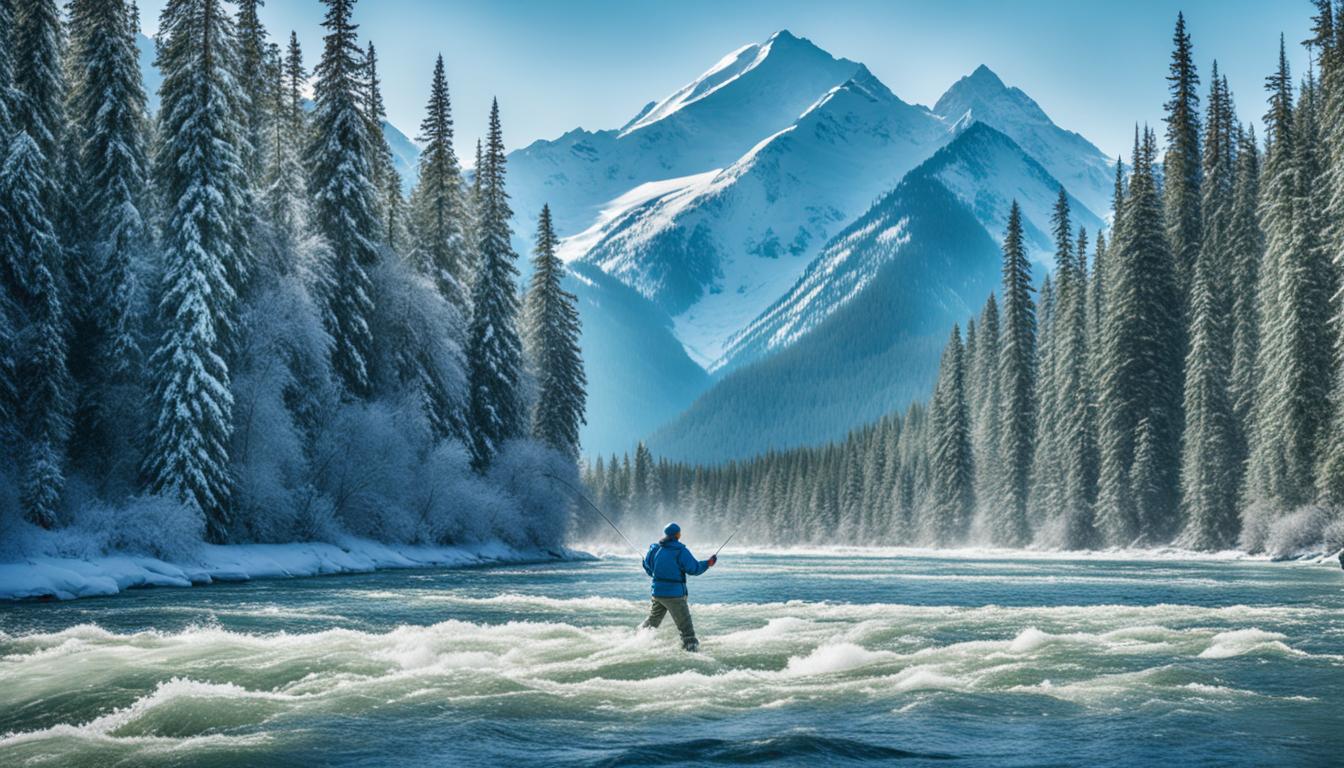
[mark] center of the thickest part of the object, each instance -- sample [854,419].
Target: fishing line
[579,493]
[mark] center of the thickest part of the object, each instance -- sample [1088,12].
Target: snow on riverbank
[69,578]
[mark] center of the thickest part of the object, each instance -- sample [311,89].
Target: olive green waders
[681,614]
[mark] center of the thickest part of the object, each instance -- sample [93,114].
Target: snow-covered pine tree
[1246,242]
[1210,458]
[553,330]
[385,178]
[1077,382]
[254,80]
[1296,351]
[33,262]
[38,43]
[1017,380]
[1181,165]
[1329,41]
[1044,475]
[951,492]
[200,175]
[7,95]
[344,201]
[108,102]
[494,351]
[284,197]
[438,204]
[987,419]
[1140,367]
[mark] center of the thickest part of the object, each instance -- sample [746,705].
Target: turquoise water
[823,659]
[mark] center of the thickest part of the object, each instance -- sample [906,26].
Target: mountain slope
[638,375]
[714,254]
[920,261]
[982,168]
[1075,161]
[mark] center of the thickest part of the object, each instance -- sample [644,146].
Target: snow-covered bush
[1297,533]
[1256,519]
[146,525]
[1333,536]
[363,463]
[525,469]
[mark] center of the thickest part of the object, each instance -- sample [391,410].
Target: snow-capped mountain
[750,94]
[717,251]
[1075,161]
[866,325]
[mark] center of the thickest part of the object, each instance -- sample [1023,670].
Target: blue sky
[1095,67]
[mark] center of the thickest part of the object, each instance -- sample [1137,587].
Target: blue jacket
[669,562]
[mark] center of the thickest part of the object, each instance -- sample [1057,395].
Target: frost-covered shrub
[1297,533]
[144,525]
[364,463]
[1256,519]
[1333,535]
[525,469]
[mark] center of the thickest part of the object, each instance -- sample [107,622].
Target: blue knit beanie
[672,529]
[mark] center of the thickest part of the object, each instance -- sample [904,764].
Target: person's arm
[690,565]
[648,562]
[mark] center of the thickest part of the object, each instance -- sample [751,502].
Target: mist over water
[819,658]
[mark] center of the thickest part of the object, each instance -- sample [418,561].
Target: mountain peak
[985,75]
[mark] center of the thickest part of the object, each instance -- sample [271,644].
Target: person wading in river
[669,562]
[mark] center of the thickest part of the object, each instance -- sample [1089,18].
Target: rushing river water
[819,659]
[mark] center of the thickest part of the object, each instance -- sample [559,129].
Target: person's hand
[713,559]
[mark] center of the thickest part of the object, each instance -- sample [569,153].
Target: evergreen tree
[1140,368]
[39,81]
[1296,284]
[109,102]
[1329,41]
[7,94]
[1246,242]
[386,180]
[343,196]
[1017,353]
[437,204]
[33,262]
[284,197]
[1181,166]
[987,418]
[199,173]
[552,322]
[255,82]
[951,477]
[1210,458]
[494,352]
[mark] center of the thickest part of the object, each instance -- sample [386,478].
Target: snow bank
[67,578]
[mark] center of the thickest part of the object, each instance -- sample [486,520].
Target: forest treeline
[225,320]
[1176,380]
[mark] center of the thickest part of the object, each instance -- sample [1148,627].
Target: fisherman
[669,562]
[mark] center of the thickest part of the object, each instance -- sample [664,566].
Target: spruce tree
[438,207]
[1296,352]
[284,197]
[951,478]
[552,322]
[1246,242]
[1017,352]
[33,262]
[1181,165]
[1210,456]
[200,175]
[108,100]
[988,417]
[1140,369]
[7,94]
[343,197]
[386,180]
[1329,41]
[494,352]
[38,42]
[254,80]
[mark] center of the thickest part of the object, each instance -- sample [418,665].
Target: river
[821,658]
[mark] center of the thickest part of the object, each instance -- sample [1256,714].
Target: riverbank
[62,578]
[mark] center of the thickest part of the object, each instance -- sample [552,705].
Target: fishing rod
[725,541]
[579,493]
